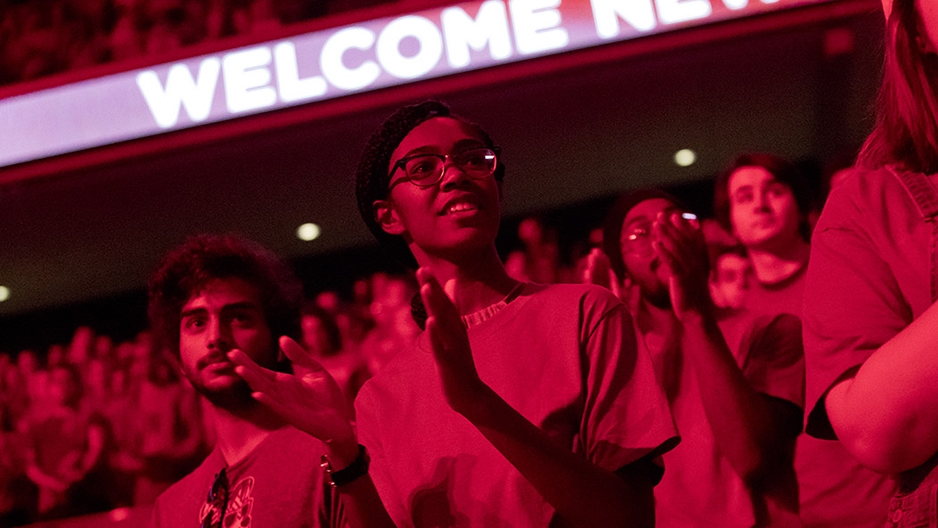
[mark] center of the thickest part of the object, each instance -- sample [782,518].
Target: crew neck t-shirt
[279,483]
[565,357]
[700,487]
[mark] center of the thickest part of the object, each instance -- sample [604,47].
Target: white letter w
[196,96]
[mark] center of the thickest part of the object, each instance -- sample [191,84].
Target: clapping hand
[599,272]
[458,376]
[309,399]
[682,248]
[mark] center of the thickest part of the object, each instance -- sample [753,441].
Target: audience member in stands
[78,352]
[65,448]
[730,275]
[764,201]
[15,396]
[218,299]
[520,404]
[16,501]
[323,341]
[125,457]
[168,422]
[737,399]
[870,310]
[46,37]
[540,249]
[393,327]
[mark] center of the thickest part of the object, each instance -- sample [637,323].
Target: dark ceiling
[567,135]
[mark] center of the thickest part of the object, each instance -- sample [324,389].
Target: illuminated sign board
[334,62]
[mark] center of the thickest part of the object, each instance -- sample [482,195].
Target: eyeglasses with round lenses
[638,240]
[426,170]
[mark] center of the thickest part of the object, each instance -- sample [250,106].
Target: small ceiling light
[4,293]
[685,157]
[308,232]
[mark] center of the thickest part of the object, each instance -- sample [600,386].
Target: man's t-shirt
[280,483]
[835,489]
[700,487]
[565,357]
[784,296]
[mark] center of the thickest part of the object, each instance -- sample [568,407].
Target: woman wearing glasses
[870,312]
[520,404]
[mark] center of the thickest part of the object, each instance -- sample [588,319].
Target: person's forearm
[582,493]
[41,479]
[360,499]
[887,415]
[363,506]
[744,424]
[95,449]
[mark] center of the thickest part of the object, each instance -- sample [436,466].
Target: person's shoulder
[408,364]
[864,188]
[181,492]
[585,294]
[854,197]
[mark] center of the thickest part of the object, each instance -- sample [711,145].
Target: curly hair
[372,178]
[782,170]
[186,270]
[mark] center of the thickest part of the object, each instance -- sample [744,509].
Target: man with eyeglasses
[228,308]
[736,393]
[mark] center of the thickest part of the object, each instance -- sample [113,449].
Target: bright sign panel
[334,62]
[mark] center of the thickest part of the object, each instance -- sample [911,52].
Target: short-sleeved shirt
[784,296]
[834,489]
[279,483]
[868,279]
[565,357]
[700,487]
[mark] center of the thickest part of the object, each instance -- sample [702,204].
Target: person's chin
[229,394]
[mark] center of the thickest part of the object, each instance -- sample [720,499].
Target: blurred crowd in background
[44,37]
[92,425]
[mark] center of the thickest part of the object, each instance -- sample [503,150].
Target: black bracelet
[358,468]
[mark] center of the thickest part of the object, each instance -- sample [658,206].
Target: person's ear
[387,217]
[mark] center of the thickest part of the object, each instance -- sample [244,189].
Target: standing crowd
[39,38]
[769,368]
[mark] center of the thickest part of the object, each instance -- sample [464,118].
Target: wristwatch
[358,468]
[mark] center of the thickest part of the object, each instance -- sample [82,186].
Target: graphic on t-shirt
[240,504]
